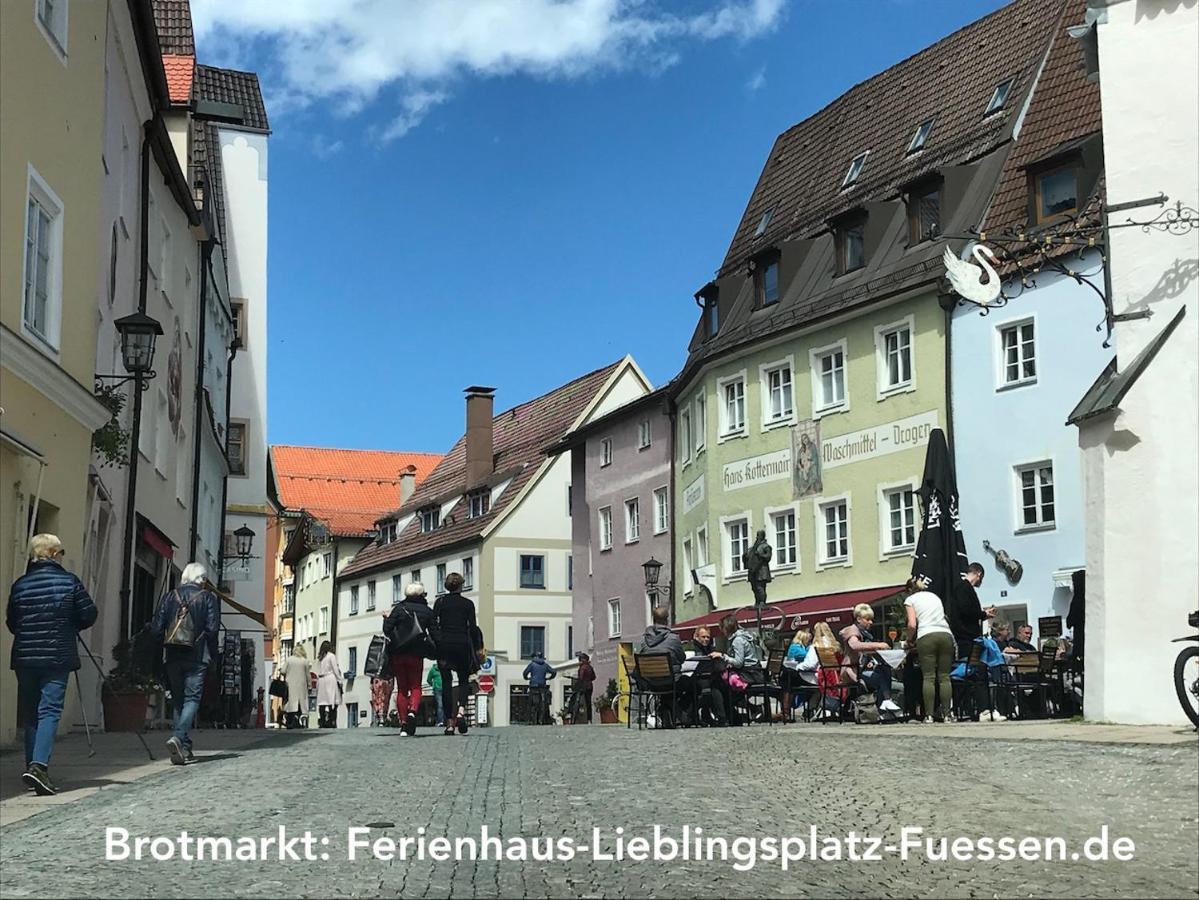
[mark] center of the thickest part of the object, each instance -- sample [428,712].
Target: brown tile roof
[239,88]
[206,156]
[347,489]
[173,19]
[520,437]
[1064,108]
[951,82]
[180,71]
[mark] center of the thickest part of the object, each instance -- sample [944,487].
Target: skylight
[999,97]
[855,169]
[921,135]
[764,222]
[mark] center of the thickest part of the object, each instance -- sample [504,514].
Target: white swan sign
[967,278]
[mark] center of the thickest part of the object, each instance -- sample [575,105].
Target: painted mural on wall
[805,445]
[175,381]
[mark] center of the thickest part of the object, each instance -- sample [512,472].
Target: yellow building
[51,131]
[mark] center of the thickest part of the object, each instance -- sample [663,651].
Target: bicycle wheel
[1186,682]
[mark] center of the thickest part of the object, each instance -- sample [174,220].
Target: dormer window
[479,503]
[855,169]
[924,211]
[766,280]
[921,135]
[430,519]
[998,97]
[1055,192]
[387,533]
[850,236]
[711,316]
[764,222]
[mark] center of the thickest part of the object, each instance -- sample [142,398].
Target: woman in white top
[329,685]
[295,671]
[929,632]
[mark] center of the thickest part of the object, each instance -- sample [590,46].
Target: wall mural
[805,450]
[175,381]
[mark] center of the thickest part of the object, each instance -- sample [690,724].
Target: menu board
[1049,627]
[231,665]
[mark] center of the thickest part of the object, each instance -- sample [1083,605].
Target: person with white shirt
[929,632]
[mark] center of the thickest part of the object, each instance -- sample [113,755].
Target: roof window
[921,135]
[764,222]
[855,169]
[999,97]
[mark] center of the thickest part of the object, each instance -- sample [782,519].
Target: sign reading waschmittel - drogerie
[757,470]
[904,434]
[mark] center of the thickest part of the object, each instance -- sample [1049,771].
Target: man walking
[539,672]
[188,620]
[47,609]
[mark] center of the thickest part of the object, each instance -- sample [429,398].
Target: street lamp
[653,570]
[244,541]
[139,332]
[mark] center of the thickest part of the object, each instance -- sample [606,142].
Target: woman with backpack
[329,685]
[407,629]
[457,634]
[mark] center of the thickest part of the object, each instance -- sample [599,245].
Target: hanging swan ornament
[966,277]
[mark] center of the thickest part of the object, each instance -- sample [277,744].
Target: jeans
[440,705]
[40,694]
[878,679]
[185,678]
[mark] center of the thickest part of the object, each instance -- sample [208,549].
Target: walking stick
[104,679]
[87,729]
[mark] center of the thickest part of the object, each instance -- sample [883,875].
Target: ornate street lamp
[139,332]
[243,539]
[653,571]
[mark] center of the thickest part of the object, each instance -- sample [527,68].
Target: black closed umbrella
[941,549]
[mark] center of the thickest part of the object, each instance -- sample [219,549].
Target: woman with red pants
[407,629]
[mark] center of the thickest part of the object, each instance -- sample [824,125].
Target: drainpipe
[333,600]
[225,481]
[199,423]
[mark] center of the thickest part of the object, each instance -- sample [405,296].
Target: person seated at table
[796,651]
[1023,640]
[1001,634]
[973,696]
[742,662]
[813,675]
[703,688]
[861,664]
[659,638]
[702,642]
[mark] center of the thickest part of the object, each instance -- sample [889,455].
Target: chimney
[407,484]
[480,408]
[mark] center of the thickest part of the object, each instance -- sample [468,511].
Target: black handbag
[279,689]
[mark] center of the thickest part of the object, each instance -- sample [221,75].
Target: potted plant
[127,690]
[564,716]
[606,704]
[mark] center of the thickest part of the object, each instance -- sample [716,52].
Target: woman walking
[929,633]
[455,628]
[407,629]
[329,685]
[296,671]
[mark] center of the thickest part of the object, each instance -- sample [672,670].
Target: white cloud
[349,51]
[324,148]
[757,81]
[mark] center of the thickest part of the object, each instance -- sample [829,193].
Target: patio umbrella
[941,549]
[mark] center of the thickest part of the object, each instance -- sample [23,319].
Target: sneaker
[999,717]
[178,754]
[463,725]
[890,706]
[410,725]
[38,778]
[188,756]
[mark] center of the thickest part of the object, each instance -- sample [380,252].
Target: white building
[1138,425]
[497,511]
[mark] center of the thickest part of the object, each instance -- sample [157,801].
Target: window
[632,520]
[643,434]
[732,406]
[532,571]
[1019,348]
[855,169]
[480,503]
[834,533]
[828,378]
[326,564]
[397,589]
[235,447]
[605,528]
[43,263]
[711,316]
[468,573]
[738,543]
[387,534]
[352,666]
[570,500]
[352,715]
[924,212]
[414,576]
[606,452]
[921,135]
[764,222]
[1036,496]
[238,309]
[893,349]
[1055,192]
[899,527]
[532,640]
[778,396]
[688,565]
[784,538]
[998,97]
[354,600]
[766,282]
[661,510]
[701,421]
[371,595]
[614,618]
[430,519]
[441,578]
[570,572]
[324,627]
[701,546]
[52,17]
[851,245]
[686,436]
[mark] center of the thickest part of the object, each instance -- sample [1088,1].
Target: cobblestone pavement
[557,782]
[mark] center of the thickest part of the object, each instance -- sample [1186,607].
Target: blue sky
[457,211]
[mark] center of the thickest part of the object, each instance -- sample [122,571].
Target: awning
[800,612]
[157,541]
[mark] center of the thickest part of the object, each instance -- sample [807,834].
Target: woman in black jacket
[458,640]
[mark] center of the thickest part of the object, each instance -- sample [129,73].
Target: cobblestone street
[555,782]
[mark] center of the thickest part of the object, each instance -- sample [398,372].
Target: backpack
[181,630]
[865,711]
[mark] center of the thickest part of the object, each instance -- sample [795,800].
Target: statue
[757,566]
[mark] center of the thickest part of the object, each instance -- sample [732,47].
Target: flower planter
[125,712]
[608,717]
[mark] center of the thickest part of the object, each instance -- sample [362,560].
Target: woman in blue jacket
[47,609]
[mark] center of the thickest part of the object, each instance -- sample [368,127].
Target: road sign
[486,683]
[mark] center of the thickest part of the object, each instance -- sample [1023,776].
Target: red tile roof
[180,71]
[521,435]
[347,489]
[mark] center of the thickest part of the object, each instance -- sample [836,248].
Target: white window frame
[468,573]
[688,565]
[731,574]
[1001,382]
[686,434]
[56,34]
[764,372]
[661,509]
[699,421]
[854,172]
[520,571]
[439,578]
[354,597]
[645,434]
[883,370]
[431,517]
[998,102]
[818,506]
[885,549]
[726,432]
[632,520]
[769,515]
[478,503]
[701,544]
[920,136]
[1018,469]
[614,617]
[397,589]
[605,517]
[39,191]
[605,452]
[819,408]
